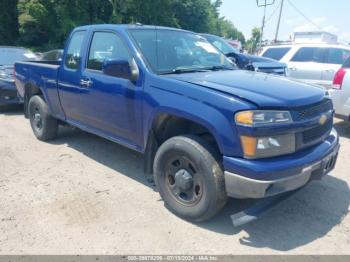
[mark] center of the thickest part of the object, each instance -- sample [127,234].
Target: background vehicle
[53,55]
[208,131]
[340,93]
[245,61]
[236,44]
[312,63]
[8,56]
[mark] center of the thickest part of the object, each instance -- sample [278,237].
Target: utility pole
[279,21]
[263,3]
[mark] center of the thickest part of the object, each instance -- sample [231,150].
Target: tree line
[44,24]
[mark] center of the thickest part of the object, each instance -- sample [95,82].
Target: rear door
[307,64]
[69,77]
[334,59]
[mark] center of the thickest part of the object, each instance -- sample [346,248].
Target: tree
[228,30]
[195,15]
[33,22]
[45,24]
[9,22]
[153,12]
[254,40]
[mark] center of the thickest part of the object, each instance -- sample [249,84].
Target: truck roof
[128,26]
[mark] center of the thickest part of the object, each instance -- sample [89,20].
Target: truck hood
[264,90]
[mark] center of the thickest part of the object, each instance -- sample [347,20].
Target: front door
[111,105]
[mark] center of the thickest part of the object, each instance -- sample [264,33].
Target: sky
[331,16]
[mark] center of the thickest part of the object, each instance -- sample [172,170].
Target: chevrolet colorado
[207,130]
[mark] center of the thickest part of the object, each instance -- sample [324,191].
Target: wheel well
[166,126]
[29,91]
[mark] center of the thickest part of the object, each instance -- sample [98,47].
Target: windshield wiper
[218,68]
[181,70]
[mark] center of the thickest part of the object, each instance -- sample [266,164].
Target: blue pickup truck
[207,130]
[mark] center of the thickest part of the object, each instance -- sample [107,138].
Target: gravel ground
[81,194]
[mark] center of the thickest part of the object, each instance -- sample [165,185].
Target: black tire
[44,126]
[205,196]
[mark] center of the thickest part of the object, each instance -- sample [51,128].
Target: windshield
[221,44]
[170,51]
[8,56]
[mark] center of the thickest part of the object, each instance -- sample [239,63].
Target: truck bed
[42,74]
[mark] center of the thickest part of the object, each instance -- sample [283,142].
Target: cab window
[106,46]
[73,56]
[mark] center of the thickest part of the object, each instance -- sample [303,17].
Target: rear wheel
[44,126]
[189,178]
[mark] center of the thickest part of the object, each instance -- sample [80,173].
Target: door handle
[330,71]
[293,68]
[86,83]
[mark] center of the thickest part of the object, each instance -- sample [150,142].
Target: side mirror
[122,69]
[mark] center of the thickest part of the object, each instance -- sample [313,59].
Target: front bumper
[8,93]
[265,178]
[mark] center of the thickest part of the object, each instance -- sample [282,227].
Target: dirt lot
[83,194]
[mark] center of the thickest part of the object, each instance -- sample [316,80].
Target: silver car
[312,63]
[340,93]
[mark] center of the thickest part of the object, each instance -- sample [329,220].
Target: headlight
[262,117]
[263,147]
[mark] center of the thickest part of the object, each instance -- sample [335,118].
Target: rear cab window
[276,53]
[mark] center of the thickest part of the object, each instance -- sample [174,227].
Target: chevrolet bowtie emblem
[323,119]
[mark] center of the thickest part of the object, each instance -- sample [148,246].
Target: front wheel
[44,126]
[189,178]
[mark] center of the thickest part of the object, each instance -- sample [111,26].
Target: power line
[303,15]
[272,14]
[309,20]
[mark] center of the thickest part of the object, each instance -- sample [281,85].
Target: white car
[340,93]
[311,63]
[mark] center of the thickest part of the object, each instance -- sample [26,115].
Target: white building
[315,37]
